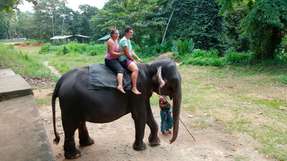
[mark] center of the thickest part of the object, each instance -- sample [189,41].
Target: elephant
[79,104]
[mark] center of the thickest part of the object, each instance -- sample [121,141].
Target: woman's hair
[113,31]
[128,29]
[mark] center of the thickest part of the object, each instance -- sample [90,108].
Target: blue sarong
[166,119]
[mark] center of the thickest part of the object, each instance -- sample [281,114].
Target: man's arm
[135,55]
[126,52]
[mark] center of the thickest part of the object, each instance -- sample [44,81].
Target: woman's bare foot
[120,88]
[135,91]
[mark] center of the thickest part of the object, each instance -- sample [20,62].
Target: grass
[247,100]
[22,63]
[43,101]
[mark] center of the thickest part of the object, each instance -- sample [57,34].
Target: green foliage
[22,63]
[281,55]
[74,48]
[65,50]
[265,25]
[213,58]
[154,50]
[202,57]
[198,20]
[232,30]
[8,5]
[182,47]
[232,57]
[283,79]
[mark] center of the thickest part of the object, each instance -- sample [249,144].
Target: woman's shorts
[114,65]
[125,61]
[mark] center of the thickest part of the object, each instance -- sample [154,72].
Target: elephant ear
[159,77]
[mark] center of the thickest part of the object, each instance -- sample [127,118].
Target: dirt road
[113,141]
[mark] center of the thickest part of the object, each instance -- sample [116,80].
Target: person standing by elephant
[165,116]
[111,59]
[127,58]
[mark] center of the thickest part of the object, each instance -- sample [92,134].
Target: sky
[74,4]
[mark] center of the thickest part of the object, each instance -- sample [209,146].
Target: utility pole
[63,16]
[167,25]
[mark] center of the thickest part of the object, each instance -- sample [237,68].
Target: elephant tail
[54,97]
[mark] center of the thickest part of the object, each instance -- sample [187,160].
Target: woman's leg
[116,67]
[134,76]
[120,82]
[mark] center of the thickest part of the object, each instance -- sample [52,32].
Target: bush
[281,55]
[233,57]
[283,79]
[202,57]
[153,49]
[213,58]
[182,47]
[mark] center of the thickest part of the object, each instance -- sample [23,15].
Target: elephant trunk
[176,113]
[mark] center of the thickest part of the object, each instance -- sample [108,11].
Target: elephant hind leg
[85,139]
[71,152]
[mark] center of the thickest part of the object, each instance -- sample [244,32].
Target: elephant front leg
[139,116]
[153,137]
[85,139]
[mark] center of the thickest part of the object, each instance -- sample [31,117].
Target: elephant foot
[153,141]
[72,154]
[86,142]
[139,147]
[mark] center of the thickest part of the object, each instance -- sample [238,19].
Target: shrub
[281,55]
[283,79]
[233,57]
[202,57]
[182,47]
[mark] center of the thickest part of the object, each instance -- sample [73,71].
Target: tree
[120,13]
[8,5]
[265,25]
[48,19]
[86,14]
[4,25]
[198,20]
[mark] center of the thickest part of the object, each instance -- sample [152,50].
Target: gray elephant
[78,104]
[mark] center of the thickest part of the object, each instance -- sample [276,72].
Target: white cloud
[26,6]
[74,4]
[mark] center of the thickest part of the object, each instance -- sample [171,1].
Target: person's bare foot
[120,88]
[135,91]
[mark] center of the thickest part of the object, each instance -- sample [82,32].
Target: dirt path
[113,141]
[52,69]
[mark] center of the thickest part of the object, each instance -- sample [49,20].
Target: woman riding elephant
[111,59]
